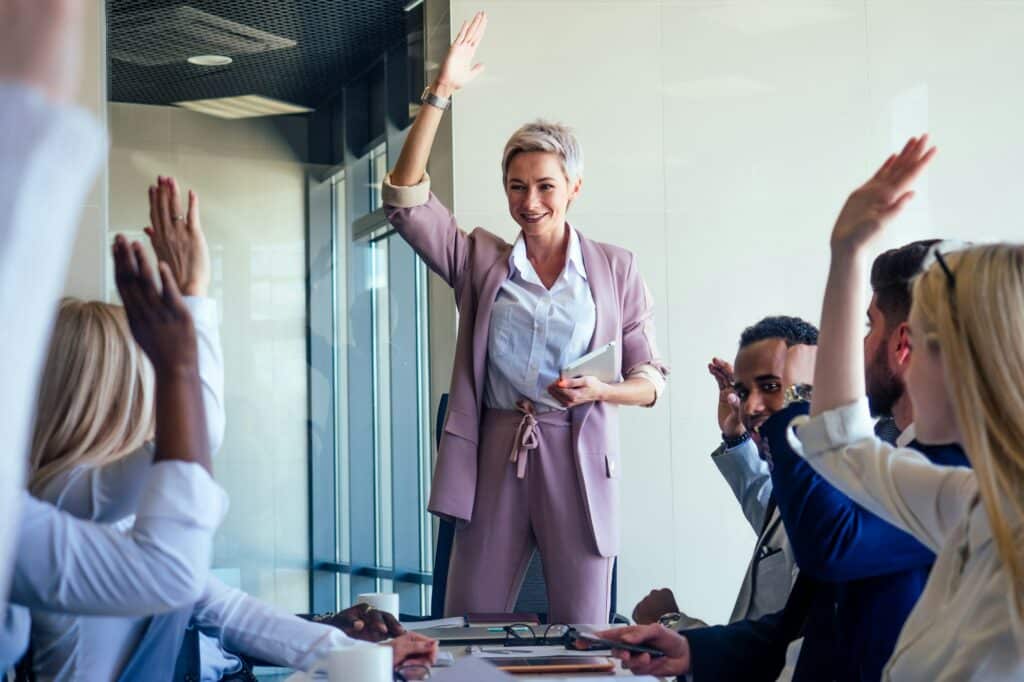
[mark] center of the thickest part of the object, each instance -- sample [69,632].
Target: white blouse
[536,331]
[963,627]
[71,647]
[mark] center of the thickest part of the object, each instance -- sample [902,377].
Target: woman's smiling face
[538,192]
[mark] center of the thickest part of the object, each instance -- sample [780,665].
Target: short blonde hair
[974,315]
[545,136]
[95,401]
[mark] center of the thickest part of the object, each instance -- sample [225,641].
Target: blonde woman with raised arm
[528,459]
[964,380]
[91,455]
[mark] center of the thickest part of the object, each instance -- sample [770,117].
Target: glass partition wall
[323,319]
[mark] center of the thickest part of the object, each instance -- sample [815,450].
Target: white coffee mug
[361,663]
[382,601]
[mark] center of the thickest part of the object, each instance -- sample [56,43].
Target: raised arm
[897,484]
[43,138]
[839,373]
[75,566]
[163,327]
[179,241]
[737,458]
[456,72]
[416,214]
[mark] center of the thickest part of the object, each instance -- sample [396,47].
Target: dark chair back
[445,533]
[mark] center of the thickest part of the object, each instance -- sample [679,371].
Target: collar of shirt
[907,437]
[519,261]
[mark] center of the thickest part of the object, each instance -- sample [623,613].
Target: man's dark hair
[792,330]
[892,274]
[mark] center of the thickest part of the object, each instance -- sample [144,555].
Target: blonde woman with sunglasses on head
[965,384]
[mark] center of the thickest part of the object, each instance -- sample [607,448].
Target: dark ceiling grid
[335,41]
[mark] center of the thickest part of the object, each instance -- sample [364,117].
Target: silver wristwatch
[797,393]
[433,100]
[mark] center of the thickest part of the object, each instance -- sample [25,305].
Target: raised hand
[39,44]
[162,326]
[881,198]
[159,320]
[729,419]
[458,68]
[178,238]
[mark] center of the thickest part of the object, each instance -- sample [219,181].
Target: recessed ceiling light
[244,106]
[210,60]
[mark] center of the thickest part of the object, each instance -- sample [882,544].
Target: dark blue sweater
[878,571]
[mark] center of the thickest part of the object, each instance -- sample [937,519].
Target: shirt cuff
[653,375]
[405,197]
[183,491]
[739,462]
[835,428]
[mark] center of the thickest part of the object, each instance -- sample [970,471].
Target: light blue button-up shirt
[536,331]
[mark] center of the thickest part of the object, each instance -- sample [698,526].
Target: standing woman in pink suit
[526,459]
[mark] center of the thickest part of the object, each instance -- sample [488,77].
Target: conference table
[459,651]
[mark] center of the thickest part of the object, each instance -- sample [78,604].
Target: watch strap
[433,100]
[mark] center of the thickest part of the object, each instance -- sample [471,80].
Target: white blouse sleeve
[900,485]
[161,564]
[49,155]
[246,625]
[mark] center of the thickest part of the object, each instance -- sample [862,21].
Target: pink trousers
[528,495]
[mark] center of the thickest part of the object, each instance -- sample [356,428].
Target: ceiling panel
[298,51]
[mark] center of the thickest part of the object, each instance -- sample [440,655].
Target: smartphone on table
[589,642]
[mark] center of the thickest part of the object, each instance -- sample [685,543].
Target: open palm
[729,420]
[458,68]
[877,201]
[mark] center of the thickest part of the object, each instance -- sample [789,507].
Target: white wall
[720,140]
[250,179]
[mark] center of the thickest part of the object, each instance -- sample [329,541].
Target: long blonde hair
[95,401]
[976,319]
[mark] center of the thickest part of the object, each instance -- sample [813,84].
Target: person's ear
[574,190]
[900,342]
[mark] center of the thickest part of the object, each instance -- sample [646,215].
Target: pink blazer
[475,265]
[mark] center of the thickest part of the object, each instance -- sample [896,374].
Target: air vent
[245,106]
[172,34]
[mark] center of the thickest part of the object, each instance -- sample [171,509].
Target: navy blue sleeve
[833,538]
[749,650]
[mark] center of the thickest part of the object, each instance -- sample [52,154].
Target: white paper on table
[469,669]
